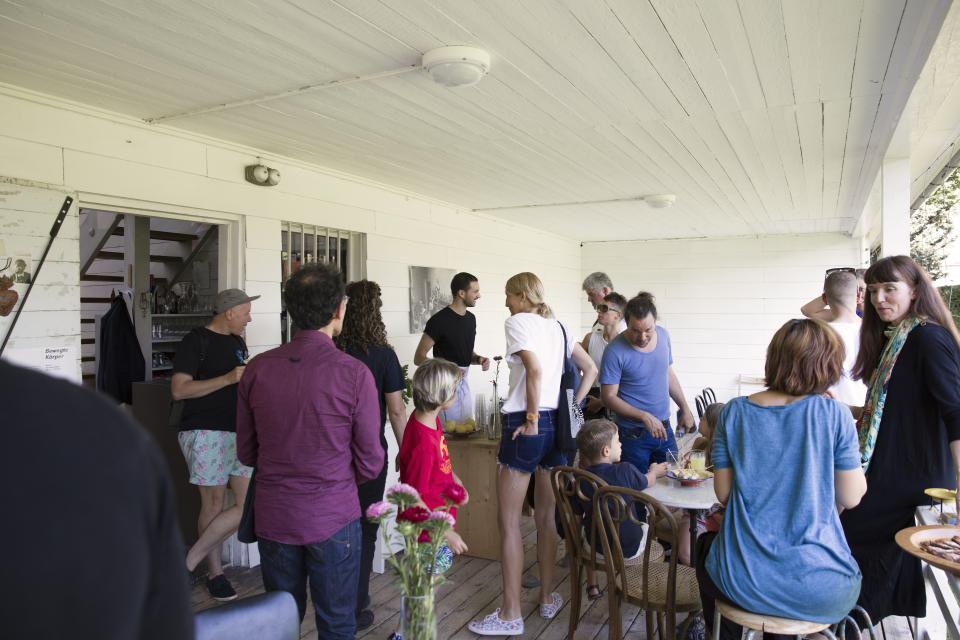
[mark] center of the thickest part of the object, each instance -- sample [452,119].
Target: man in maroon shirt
[308,421]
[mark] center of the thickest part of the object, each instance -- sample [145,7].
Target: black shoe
[364,619]
[221,589]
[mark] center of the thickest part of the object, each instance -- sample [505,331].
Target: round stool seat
[769,624]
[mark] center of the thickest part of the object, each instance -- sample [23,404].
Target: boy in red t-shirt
[424,459]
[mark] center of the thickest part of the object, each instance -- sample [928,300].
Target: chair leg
[661,631]
[650,624]
[613,624]
[575,570]
[716,623]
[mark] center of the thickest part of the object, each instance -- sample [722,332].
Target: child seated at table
[711,519]
[599,446]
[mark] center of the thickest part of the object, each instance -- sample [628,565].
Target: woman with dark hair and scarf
[909,428]
[364,336]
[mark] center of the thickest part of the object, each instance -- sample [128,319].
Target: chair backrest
[701,407]
[268,616]
[615,506]
[574,490]
[709,397]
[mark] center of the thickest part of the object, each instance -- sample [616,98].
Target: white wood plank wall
[721,300]
[52,315]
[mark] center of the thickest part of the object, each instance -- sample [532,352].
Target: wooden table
[694,499]
[474,460]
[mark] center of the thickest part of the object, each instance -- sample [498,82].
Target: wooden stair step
[87,359]
[90,277]
[163,235]
[87,340]
[118,255]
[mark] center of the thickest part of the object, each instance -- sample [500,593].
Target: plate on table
[458,429]
[911,539]
[942,495]
[688,477]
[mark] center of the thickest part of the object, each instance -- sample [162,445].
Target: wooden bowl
[910,538]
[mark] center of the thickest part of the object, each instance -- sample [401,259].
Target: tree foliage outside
[951,295]
[931,227]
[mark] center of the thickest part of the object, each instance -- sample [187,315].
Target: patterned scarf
[869,424]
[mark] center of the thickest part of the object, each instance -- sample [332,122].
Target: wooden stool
[755,622]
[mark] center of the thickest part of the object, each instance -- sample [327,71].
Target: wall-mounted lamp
[262,175]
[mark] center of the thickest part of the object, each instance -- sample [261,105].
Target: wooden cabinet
[474,460]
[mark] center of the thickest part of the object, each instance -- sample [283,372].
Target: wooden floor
[471,590]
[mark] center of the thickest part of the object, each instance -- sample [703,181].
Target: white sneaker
[493,625]
[549,611]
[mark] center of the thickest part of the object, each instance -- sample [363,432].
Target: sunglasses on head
[842,270]
[603,308]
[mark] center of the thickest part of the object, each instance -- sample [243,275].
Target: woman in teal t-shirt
[786,462]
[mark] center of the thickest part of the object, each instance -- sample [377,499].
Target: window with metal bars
[302,244]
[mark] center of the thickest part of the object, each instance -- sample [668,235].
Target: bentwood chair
[657,587]
[574,490]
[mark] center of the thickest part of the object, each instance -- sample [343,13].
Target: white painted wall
[721,300]
[52,315]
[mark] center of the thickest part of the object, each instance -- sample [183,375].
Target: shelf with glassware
[168,330]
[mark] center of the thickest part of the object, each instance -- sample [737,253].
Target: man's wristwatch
[533,416]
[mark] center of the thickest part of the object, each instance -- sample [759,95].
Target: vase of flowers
[425,555]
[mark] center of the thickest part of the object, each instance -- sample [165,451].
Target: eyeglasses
[603,308]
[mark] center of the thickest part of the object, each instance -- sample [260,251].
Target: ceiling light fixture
[456,66]
[453,66]
[658,201]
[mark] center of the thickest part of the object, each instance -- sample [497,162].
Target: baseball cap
[230,298]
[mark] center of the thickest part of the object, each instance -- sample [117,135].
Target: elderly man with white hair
[597,285]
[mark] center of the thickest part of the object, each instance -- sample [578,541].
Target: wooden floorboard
[472,589]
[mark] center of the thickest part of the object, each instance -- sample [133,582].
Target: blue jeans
[641,448]
[333,570]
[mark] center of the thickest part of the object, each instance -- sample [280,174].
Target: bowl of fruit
[460,428]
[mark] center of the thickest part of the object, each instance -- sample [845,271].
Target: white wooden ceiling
[761,116]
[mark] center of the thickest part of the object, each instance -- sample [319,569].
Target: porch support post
[895,207]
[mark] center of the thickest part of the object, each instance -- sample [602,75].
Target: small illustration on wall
[21,272]
[429,292]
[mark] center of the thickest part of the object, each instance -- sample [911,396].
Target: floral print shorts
[211,457]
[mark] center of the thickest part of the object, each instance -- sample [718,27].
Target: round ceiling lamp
[456,66]
[660,201]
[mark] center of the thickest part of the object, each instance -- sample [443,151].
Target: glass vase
[418,618]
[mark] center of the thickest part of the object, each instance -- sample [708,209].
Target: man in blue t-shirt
[637,382]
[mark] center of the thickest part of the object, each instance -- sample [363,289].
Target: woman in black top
[364,337]
[909,428]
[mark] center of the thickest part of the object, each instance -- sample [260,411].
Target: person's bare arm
[184,387]
[608,392]
[722,484]
[588,370]
[676,394]
[426,343]
[585,343]
[849,487]
[397,413]
[817,309]
[531,365]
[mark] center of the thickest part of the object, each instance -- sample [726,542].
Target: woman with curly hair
[364,337]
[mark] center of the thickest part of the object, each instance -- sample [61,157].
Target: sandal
[494,625]
[594,592]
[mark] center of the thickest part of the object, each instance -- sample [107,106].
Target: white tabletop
[671,494]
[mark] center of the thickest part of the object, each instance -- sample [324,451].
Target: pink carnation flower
[443,516]
[378,509]
[404,489]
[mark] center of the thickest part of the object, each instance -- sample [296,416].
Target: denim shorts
[526,453]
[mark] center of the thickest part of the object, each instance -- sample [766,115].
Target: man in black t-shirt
[206,369]
[89,519]
[451,333]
